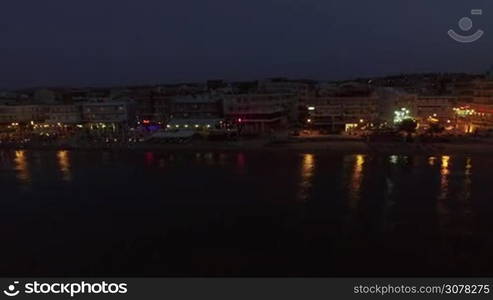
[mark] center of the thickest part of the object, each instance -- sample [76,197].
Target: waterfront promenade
[329,145]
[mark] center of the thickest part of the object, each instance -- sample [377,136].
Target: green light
[401,115]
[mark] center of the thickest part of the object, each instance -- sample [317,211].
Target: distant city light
[401,115]
[464,111]
[350,126]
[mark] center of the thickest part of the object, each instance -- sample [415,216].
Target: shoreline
[334,147]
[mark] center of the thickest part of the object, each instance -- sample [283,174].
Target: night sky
[60,42]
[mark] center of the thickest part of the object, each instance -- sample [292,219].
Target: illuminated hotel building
[259,112]
[433,108]
[341,113]
[474,109]
[195,112]
[116,114]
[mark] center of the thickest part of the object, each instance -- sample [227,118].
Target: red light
[146,121]
[239,120]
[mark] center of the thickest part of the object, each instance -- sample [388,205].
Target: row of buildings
[90,114]
[463,104]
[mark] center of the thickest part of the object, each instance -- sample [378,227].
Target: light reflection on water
[468,180]
[432,202]
[466,198]
[442,205]
[149,158]
[452,183]
[356,165]
[468,166]
[444,176]
[21,166]
[307,173]
[64,165]
[209,158]
[241,163]
[356,180]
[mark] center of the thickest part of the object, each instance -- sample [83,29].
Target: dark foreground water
[252,213]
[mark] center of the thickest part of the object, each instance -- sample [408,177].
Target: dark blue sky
[60,42]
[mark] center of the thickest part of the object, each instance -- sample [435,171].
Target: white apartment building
[439,108]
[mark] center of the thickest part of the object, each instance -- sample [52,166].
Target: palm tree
[409,126]
[435,129]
